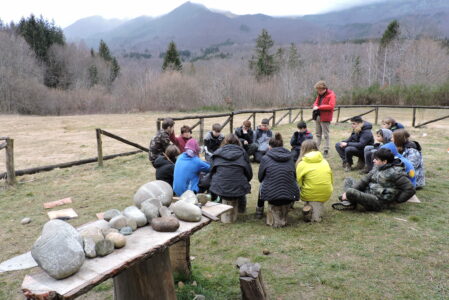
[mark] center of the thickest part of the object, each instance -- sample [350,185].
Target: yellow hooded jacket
[314,177]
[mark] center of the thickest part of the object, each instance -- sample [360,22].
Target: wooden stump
[317,211]
[147,280]
[251,283]
[180,258]
[230,216]
[277,215]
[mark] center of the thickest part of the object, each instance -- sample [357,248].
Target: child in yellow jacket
[314,177]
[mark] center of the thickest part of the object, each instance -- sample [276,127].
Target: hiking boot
[326,153]
[360,164]
[307,213]
[259,212]
[343,205]
[347,167]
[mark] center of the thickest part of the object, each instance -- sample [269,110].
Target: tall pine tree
[263,64]
[391,33]
[171,60]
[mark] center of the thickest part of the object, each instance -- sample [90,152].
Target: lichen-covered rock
[118,222]
[136,214]
[165,224]
[104,247]
[89,248]
[149,210]
[109,214]
[187,212]
[157,189]
[118,239]
[59,250]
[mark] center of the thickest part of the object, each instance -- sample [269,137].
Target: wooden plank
[431,121]
[365,113]
[57,202]
[2,145]
[120,139]
[63,214]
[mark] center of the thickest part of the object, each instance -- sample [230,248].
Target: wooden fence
[8,145]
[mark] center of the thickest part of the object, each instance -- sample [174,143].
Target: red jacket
[180,142]
[327,106]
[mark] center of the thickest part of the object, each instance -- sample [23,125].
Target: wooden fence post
[254,121]
[414,117]
[338,114]
[10,172]
[302,114]
[231,123]
[158,125]
[99,147]
[274,118]
[201,130]
[289,116]
[376,115]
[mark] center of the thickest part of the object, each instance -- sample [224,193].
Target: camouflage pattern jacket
[388,183]
[158,144]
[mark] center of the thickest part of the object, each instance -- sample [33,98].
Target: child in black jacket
[298,137]
[212,141]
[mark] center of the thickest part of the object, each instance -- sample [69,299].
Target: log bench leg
[230,216]
[180,258]
[277,215]
[150,279]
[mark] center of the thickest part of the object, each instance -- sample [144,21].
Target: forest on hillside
[40,73]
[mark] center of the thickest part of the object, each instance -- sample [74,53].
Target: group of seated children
[281,181]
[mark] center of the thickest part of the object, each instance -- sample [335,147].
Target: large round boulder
[157,189]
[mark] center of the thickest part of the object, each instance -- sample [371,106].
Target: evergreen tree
[356,75]
[93,75]
[115,69]
[293,60]
[103,51]
[171,59]
[391,33]
[263,65]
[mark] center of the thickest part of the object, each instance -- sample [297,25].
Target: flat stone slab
[21,262]
[63,214]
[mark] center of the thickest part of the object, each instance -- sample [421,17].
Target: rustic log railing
[10,175]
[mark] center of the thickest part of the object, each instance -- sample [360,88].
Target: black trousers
[348,152]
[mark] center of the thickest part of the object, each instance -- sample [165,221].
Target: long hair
[400,137]
[308,146]
[276,141]
[172,152]
[231,139]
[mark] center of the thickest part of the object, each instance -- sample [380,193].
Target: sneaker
[343,205]
[325,153]
[307,213]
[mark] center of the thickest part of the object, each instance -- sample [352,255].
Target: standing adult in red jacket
[323,110]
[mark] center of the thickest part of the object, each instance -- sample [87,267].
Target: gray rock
[89,248]
[189,197]
[157,189]
[25,221]
[118,222]
[165,224]
[199,297]
[109,214]
[93,233]
[164,211]
[250,270]
[203,198]
[155,202]
[126,230]
[187,211]
[104,247]
[118,239]
[131,223]
[134,213]
[59,250]
[109,230]
[241,261]
[149,210]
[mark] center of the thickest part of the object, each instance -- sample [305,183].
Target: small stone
[136,214]
[109,230]
[104,247]
[241,261]
[150,211]
[89,248]
[131,223]
[187,212]
[165,224]
[181,284]
[25,221]
[109,214]
[118,222]
[199,297]
[93,233]
[203,198]
[118,239]
[266,251]
[126,230]
[164,211]
[101,224]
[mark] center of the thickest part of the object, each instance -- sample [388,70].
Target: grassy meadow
[400,253]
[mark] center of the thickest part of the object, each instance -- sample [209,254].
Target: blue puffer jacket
[408,166]
[187,171]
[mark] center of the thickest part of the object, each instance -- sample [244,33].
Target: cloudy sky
[65,13]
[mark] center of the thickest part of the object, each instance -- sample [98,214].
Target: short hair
[389,120]
[320,85]
[357,119]
[380,132]
[276,141]
[308,146]
[231,139]
[265,121]
[384,154]
[301,125]
[185,129]
[247,123]
[168,122]
[216,127]
[171,152]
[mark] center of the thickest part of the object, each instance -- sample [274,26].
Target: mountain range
[194,26]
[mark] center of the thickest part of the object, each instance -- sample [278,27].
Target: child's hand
[343,197]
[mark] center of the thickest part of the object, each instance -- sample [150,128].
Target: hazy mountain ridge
[193,26]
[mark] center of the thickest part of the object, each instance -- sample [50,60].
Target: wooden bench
[141,270]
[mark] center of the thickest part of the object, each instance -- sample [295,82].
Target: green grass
[400,253]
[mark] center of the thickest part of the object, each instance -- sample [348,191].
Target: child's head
[168,124]
[382,157]
[276,141]
[400,138]
[388,122]
[216,129]
[265,124]
[302,126]
[186,132]
[308,146]
[356,123]
[172,152]
[379,136]
[231,139]
[247,124]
